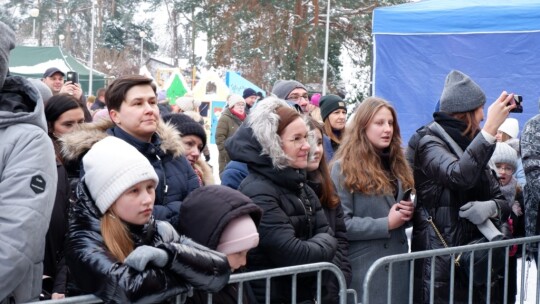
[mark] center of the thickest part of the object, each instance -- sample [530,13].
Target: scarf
[454,127]
[240,116]
[509,191]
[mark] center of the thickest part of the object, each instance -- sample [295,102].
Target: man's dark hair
[116,92]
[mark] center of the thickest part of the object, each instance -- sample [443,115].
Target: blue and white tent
[496,42]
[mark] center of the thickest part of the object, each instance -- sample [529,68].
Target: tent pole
[326,49]
[91,78]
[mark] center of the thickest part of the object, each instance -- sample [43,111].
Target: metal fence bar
[506,262]
[292,270]
[411,282]
[86,299]
[523,259]
[241,278]
[452,251]
[471,271]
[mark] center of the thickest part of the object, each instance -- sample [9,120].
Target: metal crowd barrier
[267,275]
[452,251]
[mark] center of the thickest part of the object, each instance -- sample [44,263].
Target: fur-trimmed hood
[76,144]
[263,121]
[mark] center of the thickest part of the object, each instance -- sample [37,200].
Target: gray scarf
[509,191]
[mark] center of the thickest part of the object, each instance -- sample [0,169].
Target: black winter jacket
[444,182]
[96,271]
[203,218]
[335,217]
[293,230]
[53,263]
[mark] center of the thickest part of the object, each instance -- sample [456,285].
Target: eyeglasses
[297,96]
[299,141]
[504,168]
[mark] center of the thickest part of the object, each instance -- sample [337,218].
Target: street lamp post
[34,13]
[326,49]
[142,35]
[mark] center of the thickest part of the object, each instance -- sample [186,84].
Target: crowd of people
[113,195]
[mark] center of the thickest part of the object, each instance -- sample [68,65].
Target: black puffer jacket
[444,182]
[204,215]
[335,217]
[293,229]
[95,270]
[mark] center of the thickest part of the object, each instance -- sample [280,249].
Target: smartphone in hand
[72,76]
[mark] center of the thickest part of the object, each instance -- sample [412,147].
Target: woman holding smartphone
[371,192]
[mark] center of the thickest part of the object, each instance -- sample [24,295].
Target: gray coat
[366,218]
[28,180]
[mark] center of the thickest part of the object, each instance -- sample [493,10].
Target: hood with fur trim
[263,121]
[76,144]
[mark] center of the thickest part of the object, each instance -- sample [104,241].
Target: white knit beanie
[234,99]
[188,103]
[504,154]
[111,167]
[511,127]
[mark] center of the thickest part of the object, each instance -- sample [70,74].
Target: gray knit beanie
[461,94]
[282,88]
[504,154]
[7,43]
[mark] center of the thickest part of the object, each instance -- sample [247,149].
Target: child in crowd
[116,250]
[224,220]
[504,161]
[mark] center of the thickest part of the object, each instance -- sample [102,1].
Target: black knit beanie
[330,103]
[186,125]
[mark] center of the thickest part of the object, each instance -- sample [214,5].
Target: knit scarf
[454,127]
[240,116]
[509,191]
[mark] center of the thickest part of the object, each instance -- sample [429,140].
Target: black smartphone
[407,195]
[518,99]
[72,76]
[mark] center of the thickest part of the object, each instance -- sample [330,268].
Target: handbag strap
[438,130]
[439,235]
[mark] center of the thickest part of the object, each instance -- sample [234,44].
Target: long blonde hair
[361,165]
[116,235]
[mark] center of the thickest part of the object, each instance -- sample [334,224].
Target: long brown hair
[329,131]
[116,235]
[328,197]
[468,118]
[361,165]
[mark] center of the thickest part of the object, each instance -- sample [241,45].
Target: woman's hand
[498,111]
[399,214]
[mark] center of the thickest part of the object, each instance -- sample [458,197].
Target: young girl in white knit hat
[116,250]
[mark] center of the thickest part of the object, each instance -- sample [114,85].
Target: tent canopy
[417,44]
[32,62]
